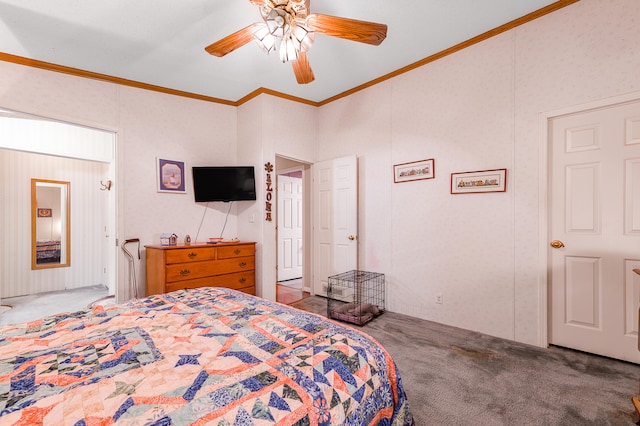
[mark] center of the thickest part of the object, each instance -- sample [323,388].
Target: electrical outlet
[439,298]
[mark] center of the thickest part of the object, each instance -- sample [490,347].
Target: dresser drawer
[237,281]
[189,255]
[238,264]
[243,281]
[189,271]
[196,283]
[236,251]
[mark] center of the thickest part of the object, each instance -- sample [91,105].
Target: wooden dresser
[229,265]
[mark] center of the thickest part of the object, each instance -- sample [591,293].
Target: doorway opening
[46,148]
[292,230]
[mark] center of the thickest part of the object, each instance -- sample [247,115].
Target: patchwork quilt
[193,357]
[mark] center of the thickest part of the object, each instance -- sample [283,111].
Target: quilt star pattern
[206,356]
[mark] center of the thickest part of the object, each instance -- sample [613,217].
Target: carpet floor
[458,377]
[35,306]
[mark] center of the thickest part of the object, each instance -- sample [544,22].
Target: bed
[47,251]
[202,356]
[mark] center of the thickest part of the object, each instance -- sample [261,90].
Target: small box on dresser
[230,265]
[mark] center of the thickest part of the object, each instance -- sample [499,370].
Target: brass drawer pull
[243,264]
[192,255]
[237,251]
[243,280]
[185,272]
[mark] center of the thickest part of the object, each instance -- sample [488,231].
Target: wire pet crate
[355,296]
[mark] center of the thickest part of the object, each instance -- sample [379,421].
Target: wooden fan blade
[302,69]
[349,29]
[231,42]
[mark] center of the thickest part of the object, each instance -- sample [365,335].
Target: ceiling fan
[289,27]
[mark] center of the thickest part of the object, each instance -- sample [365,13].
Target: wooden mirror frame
[51,253]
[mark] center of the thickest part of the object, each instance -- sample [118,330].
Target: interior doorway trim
[543,200]
[295,164]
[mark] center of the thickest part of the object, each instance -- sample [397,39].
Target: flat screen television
[224,183]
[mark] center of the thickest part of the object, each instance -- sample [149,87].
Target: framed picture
[170,176]
[416,170]
[480,181]
[44,212]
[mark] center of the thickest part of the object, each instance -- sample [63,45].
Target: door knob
[556,244]
[351,237]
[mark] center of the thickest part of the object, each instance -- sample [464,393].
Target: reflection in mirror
[50,224]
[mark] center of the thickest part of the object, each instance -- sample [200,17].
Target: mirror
[50,224]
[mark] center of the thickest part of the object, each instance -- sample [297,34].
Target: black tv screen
[224,183]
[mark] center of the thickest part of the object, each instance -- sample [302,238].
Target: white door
[335,219]
[595,222]
[289,214]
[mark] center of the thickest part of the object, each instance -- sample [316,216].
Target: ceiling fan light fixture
[304,36]
[264,38]
[278,23]
[289,49]
[284,32]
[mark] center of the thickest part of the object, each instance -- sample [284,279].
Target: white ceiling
[161,42]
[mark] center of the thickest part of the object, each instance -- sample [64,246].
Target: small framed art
[416,170]
[479,181]
[44,212]
[170,176]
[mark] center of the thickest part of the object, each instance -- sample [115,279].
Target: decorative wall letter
[269,168]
